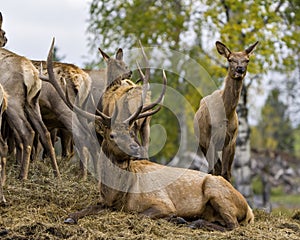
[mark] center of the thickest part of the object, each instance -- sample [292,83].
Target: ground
[37,207]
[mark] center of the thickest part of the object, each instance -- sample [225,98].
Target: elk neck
[231,95]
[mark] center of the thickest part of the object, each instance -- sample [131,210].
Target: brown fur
[20,79]
[122,91]
[159,191]
[216,121]
[57,115]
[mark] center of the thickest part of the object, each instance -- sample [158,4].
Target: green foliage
[274,130]
[189,27]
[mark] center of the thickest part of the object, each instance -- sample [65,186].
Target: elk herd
[40,100]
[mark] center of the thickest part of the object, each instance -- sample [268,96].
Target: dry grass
[38,206]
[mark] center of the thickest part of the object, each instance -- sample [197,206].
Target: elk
[134,184]
[118,87]
[216,120]
[57,115]
[20,80]
[3,145]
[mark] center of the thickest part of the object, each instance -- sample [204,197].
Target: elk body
[57,115]
[20,80]
[216,121]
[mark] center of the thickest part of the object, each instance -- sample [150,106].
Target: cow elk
[216,121]
[20,80]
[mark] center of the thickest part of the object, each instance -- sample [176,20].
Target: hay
[38,206]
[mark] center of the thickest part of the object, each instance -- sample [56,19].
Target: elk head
[119,141]
[238,61]
[3,39]
[117,69]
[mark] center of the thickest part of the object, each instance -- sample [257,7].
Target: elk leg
[66,144]
[4,151]
[220,207]
[2,198]
[45,137]
[211,156]
[203,224]
[91,210]
[24,134]
[227,159]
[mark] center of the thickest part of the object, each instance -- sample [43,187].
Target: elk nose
[134,146]
[240,69]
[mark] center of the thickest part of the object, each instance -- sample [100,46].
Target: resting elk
[137,185]
[20,80]
[216,121]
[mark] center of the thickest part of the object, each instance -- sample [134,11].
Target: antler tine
[161,96]
[135,115]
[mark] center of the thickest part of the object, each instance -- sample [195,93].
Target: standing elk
[20,80]
[216,121]
[57,115]
[137,185]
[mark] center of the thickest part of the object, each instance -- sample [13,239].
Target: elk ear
[104,55]
[250,49]
[119,54]
[222,49]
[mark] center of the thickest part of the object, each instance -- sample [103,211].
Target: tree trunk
[242,164]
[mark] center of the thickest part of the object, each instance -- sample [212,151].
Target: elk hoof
[3,232]
[70,221]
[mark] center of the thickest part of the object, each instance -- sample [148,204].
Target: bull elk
[216,121]
[120,124]
[20,80]
[137,185]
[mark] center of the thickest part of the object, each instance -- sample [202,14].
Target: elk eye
[112,136]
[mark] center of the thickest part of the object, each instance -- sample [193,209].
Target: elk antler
[106,120]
